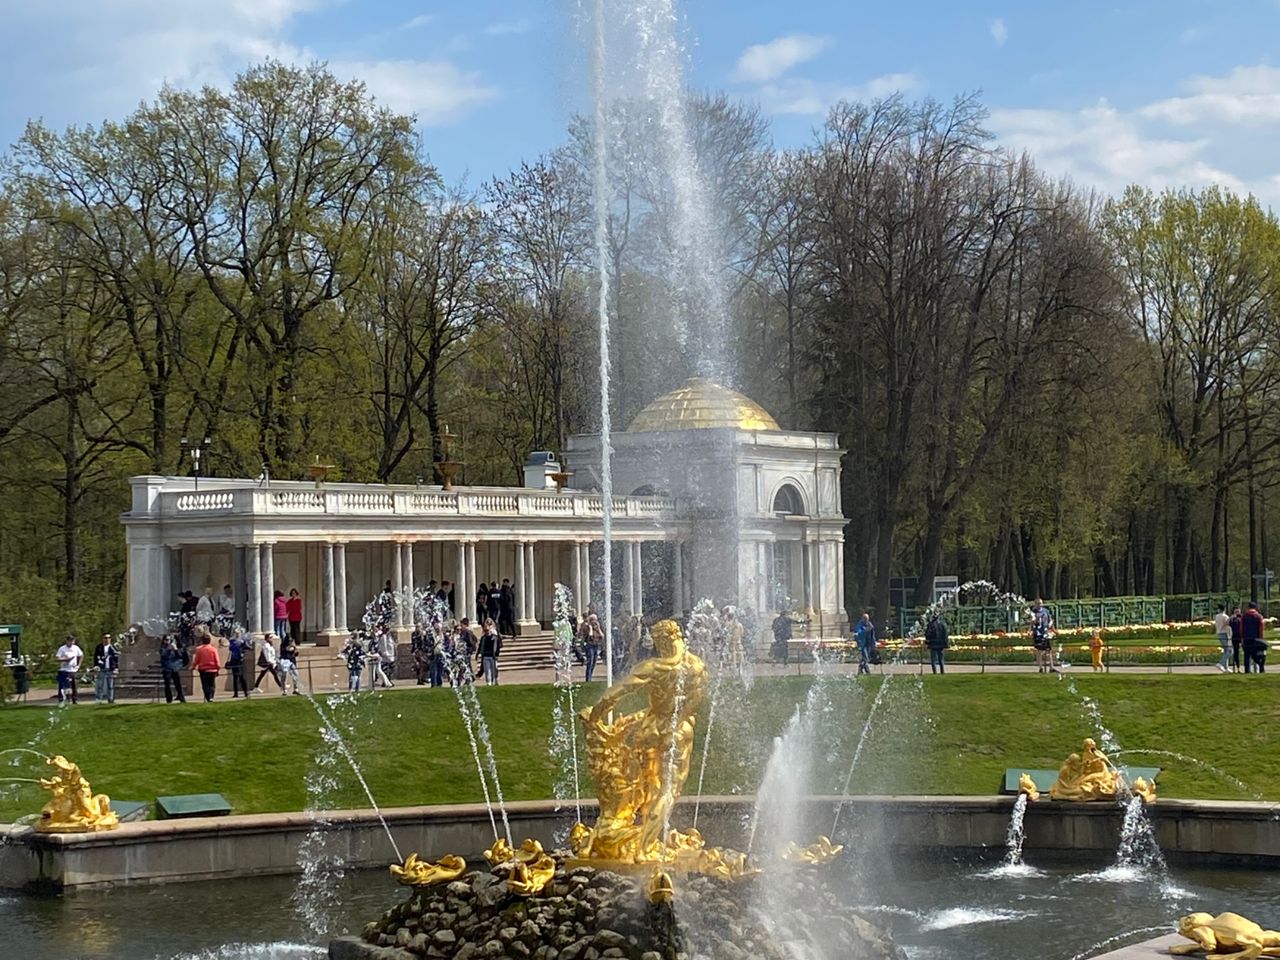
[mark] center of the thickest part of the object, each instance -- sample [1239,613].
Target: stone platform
[1146,950]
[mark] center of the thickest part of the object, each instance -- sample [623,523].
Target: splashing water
[331,734]
[1017,833]
[600,213]
[863,737]
[673,753]
[564,714]
[321,856]
[1200,764]
[1141,932]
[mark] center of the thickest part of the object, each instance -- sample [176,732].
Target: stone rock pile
[589,914]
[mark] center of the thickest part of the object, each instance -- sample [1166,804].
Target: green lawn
[952,734]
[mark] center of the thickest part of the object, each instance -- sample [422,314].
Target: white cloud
[1245,95]
[763,62]
[796,95]
[507,27]
[999,32]
[1103,147]
[436,91]
[413,23]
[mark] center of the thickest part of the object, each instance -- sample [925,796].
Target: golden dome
[698,404]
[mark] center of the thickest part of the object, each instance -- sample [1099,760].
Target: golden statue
[500,852]
[1090,775]
[1028,786]
[659,888]
[816,854]
[1145,789]
[423,873]
[640,760]
[531,870]
[74,807]
[1087,775]
[1226,935]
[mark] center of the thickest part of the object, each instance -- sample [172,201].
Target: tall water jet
[600,211]
[564,714]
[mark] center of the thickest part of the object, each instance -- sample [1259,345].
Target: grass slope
[930,735]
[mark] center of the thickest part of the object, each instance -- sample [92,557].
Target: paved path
[44,697]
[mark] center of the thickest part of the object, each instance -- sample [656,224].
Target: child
[1095,650]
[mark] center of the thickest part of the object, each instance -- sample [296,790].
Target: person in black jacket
[106,663]
[937,640]
[1255,648]
[173,661]
[489,648]
[507,608]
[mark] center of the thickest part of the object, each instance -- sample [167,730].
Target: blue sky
[1179,92]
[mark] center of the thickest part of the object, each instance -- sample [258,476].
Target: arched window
[787,502]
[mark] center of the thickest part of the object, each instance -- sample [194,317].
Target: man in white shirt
[204,607]
[227,602]
[1222,625]
[69,657]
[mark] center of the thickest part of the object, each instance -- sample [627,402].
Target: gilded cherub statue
[74,807]
[1028,786]
[816,854]
[1226,935]
[1087,775]
[423,873]
[640,760]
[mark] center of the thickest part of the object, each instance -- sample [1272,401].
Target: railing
[410,503]
[218,501]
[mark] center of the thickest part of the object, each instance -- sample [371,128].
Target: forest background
[1066,393]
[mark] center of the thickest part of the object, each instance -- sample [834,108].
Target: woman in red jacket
[294,607]
[207,665]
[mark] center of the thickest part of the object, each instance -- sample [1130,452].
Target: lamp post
[196,452]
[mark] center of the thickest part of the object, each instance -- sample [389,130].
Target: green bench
[192,805]
[1044,779]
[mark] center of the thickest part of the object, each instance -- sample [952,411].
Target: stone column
[460,588]
[397,581]
[840,610]
[677,580]
[806,575]
[577,577]
[328,605]
[637,567]
[408,577]
[522,591]
[340,586]
[628,578]
[762,577]
[584,549]
[531,575]
[815,574]
[472,583]
[268,587]
[253,600]
[239,581]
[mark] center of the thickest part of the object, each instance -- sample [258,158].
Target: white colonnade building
[713,499]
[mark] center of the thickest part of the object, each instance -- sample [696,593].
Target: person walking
[937,639]
[382,656]
[293,610]
[592,643]
[865,636]
[782,624]
[289,665]
[1041,625]
[207,665]
[280,613]
[1095,650]
[437,640]
[1255,648]
[1222,627]
[735,653]
[1237,638]
[173,660]
[489,648]
[268,661]
[106,664]
[70,656]
[235,665]
[506,608]
[353,653]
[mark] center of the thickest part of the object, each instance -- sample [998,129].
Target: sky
[1162,92]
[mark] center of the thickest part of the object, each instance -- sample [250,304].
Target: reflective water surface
[958,910]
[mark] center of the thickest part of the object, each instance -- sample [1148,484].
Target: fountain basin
[164,851]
